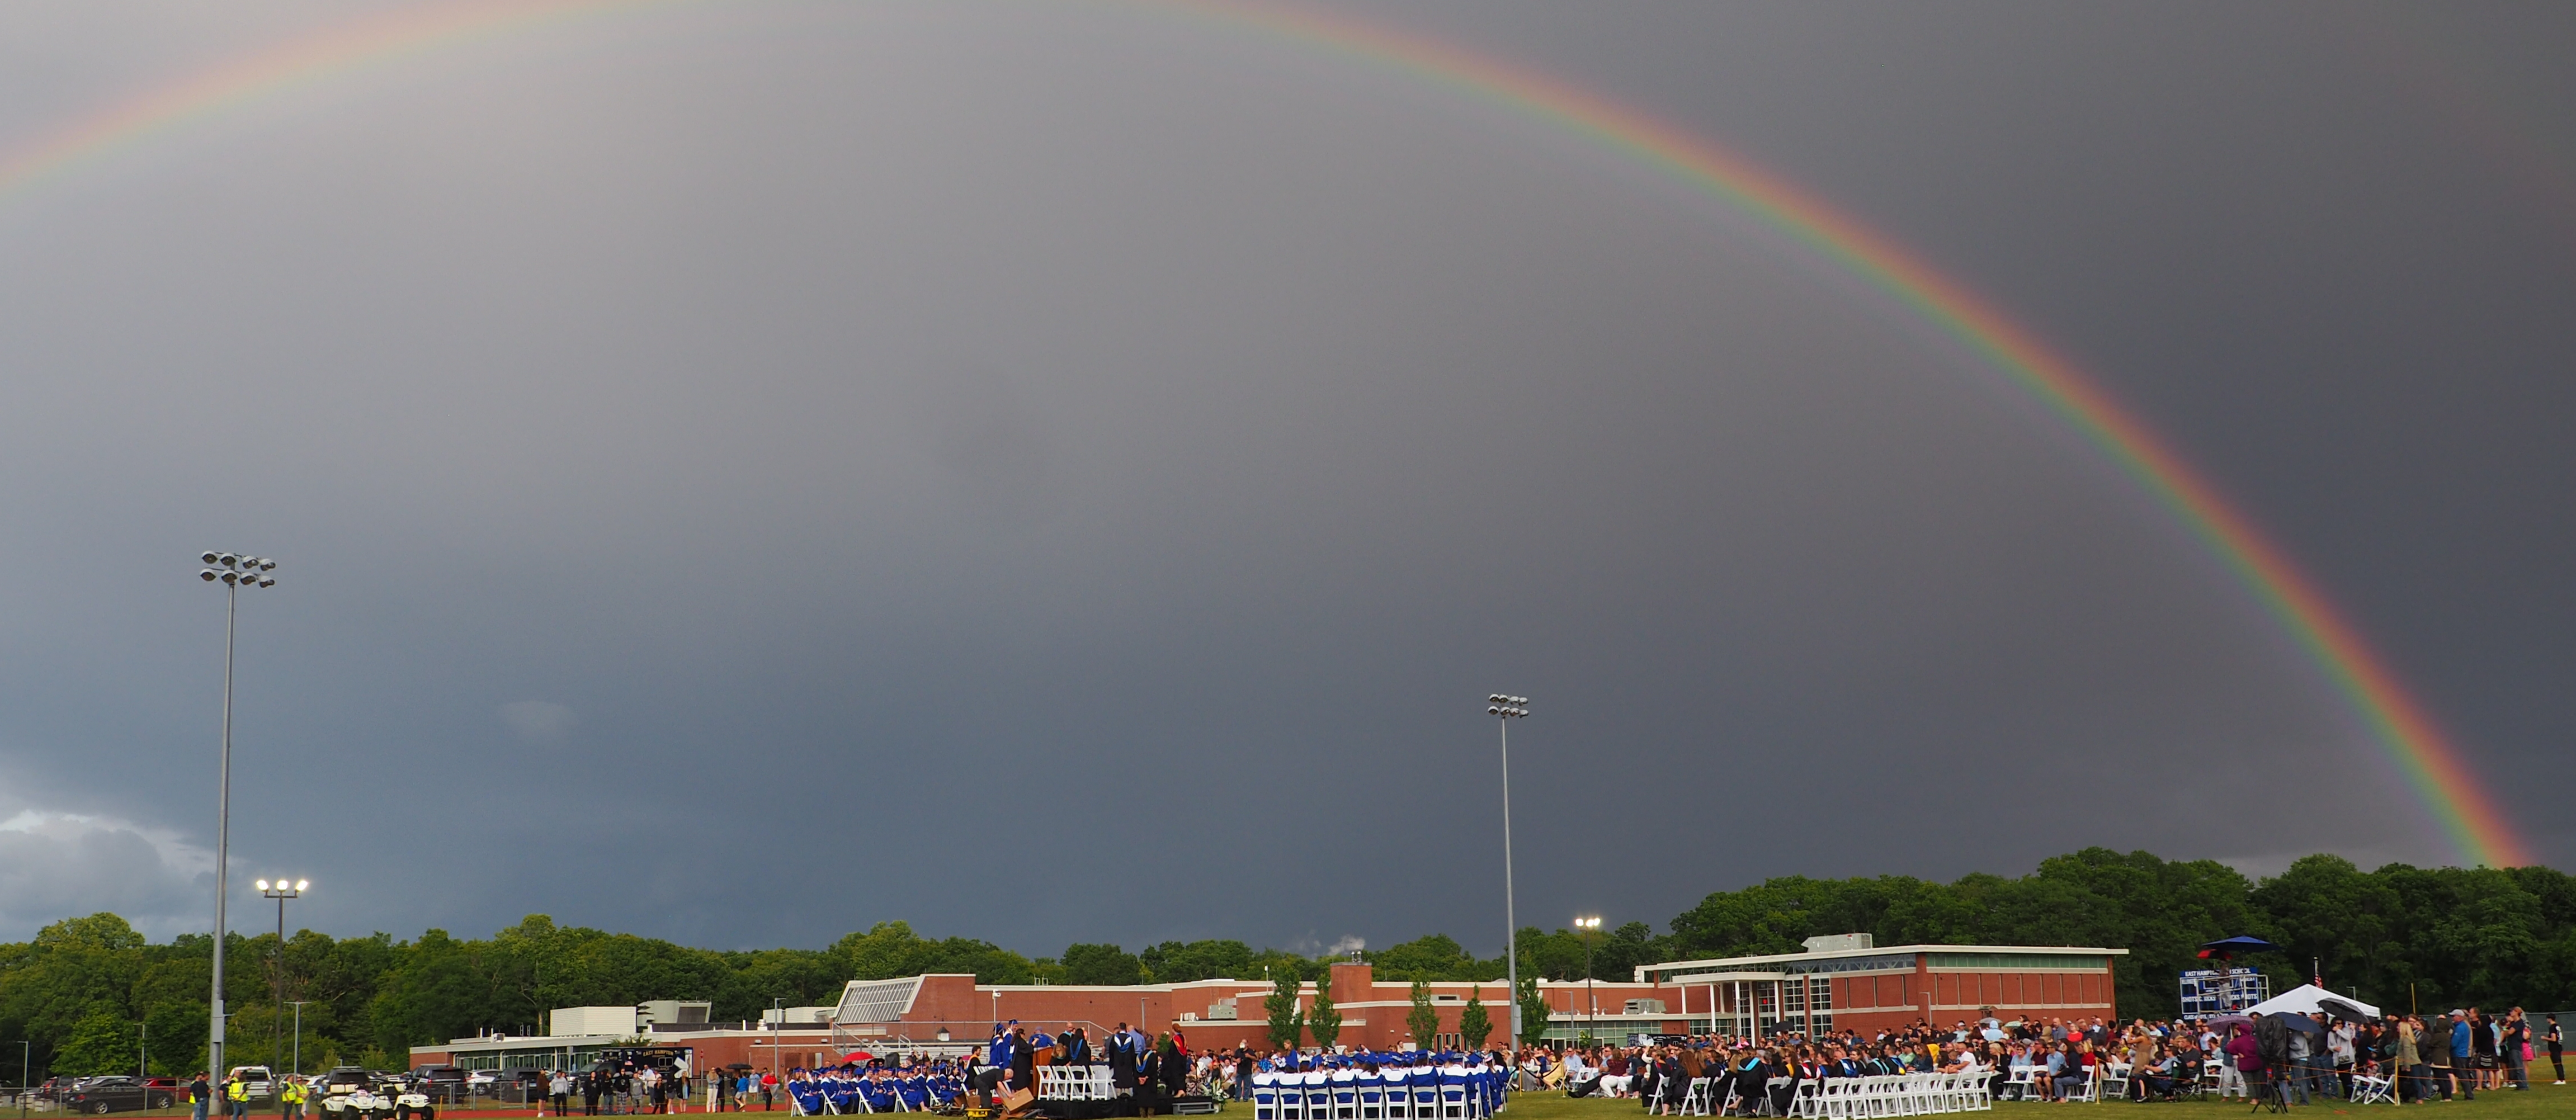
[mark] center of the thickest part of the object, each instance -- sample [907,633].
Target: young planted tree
[1323,1020]
[1533,1012]
[1286,1022]
[1474,1025]
[1424,1019]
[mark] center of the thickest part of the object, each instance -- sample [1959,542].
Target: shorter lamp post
[1592,1001]
[299,1034]
[281,890]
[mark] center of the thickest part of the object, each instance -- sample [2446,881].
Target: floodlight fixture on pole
[235,571]
[1505,709]
[1591,1000]
[281,890]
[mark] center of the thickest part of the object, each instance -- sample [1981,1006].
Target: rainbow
[2402,729]
[297,64]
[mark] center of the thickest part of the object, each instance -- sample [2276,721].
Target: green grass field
[2543,1100]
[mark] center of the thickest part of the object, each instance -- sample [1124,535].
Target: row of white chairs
[1310,1098]
[1075,1083]
[2025,1083]
[1896,1094]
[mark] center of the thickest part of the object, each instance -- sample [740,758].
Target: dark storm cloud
[748,472]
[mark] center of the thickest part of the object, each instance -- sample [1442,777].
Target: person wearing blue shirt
[2463,1046]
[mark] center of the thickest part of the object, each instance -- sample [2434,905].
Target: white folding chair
[2091,1091]
[2372,1089]
[1695,1098]
[2019,1082]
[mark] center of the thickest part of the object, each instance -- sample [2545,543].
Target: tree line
[93,996]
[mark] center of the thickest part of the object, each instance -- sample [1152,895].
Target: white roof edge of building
[1710,963]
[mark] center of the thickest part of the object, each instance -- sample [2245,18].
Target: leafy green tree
[1533,1011]
[1424,1019]
[73,968]
[1174,962]
[1475,1025]
[1287,1022]
[1436,957]
[1323,1020]
[176,1035]
[1101,964]
[890,949]
[101,1042]
[1618,955]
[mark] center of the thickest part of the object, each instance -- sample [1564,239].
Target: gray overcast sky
[1066,472]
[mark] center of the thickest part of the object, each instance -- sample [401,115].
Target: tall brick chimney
[1353,981]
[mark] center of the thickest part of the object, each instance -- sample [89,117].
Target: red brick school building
[1838,983]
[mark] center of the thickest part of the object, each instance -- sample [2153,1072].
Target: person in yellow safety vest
[237,1091]
[290,1098]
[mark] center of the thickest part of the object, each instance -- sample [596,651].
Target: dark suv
[441,1084]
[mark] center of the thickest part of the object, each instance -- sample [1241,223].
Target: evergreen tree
[1424,1019]
[1474,1025]
[1323,1020]
[1286,1023]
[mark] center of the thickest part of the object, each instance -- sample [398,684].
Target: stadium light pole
[281,890]
[1505,709]
[1591,1000]
[234,571]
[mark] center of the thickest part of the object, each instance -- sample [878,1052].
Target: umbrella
[858,1056]
[2229,948]
[2222,1022]
[2300,1023]
[2347,1010]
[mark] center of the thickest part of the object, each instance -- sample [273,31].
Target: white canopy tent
[2309,998]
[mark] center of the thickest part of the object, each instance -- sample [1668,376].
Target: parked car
[99,1096]
[54,1088]
[442,1084]
[256,1080]
[516,1084]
